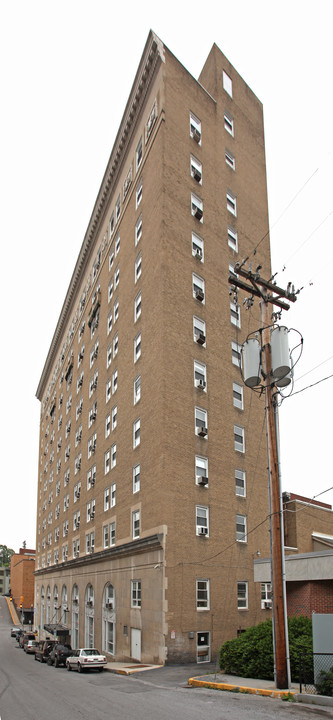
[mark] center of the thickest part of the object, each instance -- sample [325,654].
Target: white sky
[66,72]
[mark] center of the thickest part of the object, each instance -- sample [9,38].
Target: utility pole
[271,294]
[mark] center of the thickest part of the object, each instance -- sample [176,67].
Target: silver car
[86,659]
[30,646]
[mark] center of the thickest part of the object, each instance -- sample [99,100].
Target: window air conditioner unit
[196,174]
[109,605]
[66,532]
[197,212]
[198,253]
[93,481]
[202,480]
[92,514]
[203,531]
[93,417]
[202,431]
[199,294]
[75,600]
[78,493]
[201,384]
[78,523]
[196,134]
[267,604]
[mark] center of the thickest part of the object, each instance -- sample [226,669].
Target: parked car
[86,659]
[30,646]
[18,635]
[14,630]
[59,654]
[43,650]
[25,637]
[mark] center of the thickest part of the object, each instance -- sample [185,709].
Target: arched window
[48,605]
[42,608]
[75,617]
[64,605]
[89,617]
[55,605]
[109,620]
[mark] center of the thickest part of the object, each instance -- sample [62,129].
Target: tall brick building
[152,483]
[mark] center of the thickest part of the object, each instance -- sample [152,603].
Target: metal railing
[316,673]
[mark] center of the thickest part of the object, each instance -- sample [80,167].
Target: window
[137,307]
[196,169]
[232,238]
[107,425]
[200,375]
[239,437]
[106,462]
[117,245]
[136,433]
[266,595]
[111,259]
[197,207]
[112,533]
[114,415]
[136,479]
[111,227]
[240,481]
[235,314]
[135,593]
[116,311]
[114,381]
[227,83]
[92,414]
[109,324]
[113,495]
[108,391]
[110,290]
[201,470]
[198,288]
[137,347]
[238,396]
[109,356]
[241,535]
[197,247]
[230,159]
[202,594]
[231,203]
[113,455]
[118,209]
[199,331]
[115,345]
[195,128]
[135,524]
[137,389]
[201,422]
[138,229]
[202,520]
[138,194]
[138,267]
[229,123]
[139,154]
[106,499]
[236,354]
[242,595]
[92,445]
[116,277]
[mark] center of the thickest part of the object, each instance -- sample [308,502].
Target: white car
[86,659]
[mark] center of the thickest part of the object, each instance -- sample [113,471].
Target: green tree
[5,554]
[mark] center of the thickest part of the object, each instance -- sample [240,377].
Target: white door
[136,644]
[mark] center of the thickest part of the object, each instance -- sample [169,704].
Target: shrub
[324,684]
[251,654]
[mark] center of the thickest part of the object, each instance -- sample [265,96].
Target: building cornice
[152,57]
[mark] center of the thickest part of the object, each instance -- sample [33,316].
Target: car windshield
[90,651]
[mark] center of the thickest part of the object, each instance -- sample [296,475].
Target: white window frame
[138,230]
[236,355]
[195,128]
[231,203]
[138,193]
[227,83]
[202,520]
[116,311]
[113,489]
[107,462]
[113,455]
[230,159]
[242,595]
[138,267]
[114,417]
[106,499]
[114,381]
[135,593]
[198,288]
[108,388]
[199,331]
[201,469]
[239,432]
[238,395]
[137,389]
[109,322]
[139,154]
[202,594]
[115,344]
[197,207]
[136,433]
[197,247]
[229,123]
[241,522]
[265,595]
[235,316]
[200,375]
[233,238]
[240,483]
[136,478]
[117,245]
[137,306]
[108,356]
[196,169]
[201,421]
[111,259]
[110,290]
[137,347]
[135,524]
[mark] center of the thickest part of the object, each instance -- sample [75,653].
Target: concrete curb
[194,682]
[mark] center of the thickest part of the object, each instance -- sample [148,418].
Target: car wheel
[79,668]
[68,667]
[49,661]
